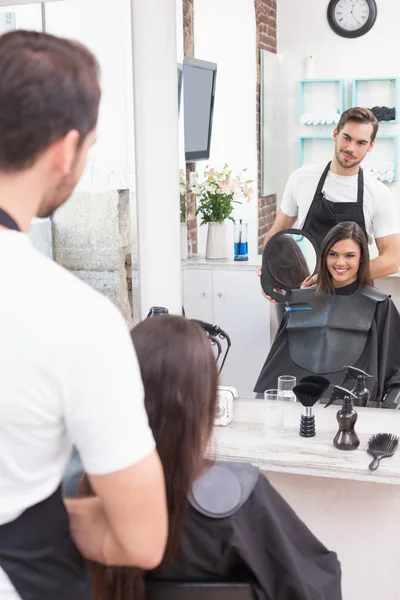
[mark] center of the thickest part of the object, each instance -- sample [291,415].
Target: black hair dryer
[157,310]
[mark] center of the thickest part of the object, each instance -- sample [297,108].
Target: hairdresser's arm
[388,261]
[107,422]
[126,524]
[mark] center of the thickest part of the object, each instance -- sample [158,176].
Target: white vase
[184,243]
[217,241]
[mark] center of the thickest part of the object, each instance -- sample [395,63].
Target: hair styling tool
[381,445]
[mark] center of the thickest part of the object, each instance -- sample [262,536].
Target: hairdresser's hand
[309,281]
[89,527]
[263,293]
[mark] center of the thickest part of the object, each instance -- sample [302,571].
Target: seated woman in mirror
[341,321]
[226,521]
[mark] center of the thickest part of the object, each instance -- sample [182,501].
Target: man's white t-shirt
[68,376]
[380,213]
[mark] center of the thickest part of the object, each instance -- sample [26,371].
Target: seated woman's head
[180,377]
[344,257]
[179,374]
[286,261]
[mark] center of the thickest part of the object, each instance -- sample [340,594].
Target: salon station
[236,95]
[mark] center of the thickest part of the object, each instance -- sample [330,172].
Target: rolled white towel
[389,176]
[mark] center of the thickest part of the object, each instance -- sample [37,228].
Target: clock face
[351,18]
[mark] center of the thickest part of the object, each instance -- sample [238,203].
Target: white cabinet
[231,298]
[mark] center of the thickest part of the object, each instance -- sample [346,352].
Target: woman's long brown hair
[343,231]
[179,374]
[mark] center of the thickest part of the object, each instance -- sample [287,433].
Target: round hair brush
[381,445]
[308,394]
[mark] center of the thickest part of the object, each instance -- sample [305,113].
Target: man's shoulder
[307,172]
[376,187]
[63,291]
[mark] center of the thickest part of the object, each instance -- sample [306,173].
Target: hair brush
[308,394]
[381,445]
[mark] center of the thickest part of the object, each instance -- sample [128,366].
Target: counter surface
[200,262]
[244,440]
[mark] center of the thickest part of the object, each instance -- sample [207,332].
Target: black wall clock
[351,18]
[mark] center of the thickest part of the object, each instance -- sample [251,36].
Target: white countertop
[200,262]
[245,441]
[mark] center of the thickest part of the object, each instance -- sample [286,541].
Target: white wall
[303,29]
[104,26]
[225,33]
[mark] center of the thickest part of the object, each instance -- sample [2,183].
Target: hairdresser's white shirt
[68,375]
[380,212]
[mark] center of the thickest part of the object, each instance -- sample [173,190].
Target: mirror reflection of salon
[291,258]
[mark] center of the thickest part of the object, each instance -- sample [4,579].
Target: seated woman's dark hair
[343,231]
[286,261]
[180,378]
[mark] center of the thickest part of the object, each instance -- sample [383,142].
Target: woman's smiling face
[343,262]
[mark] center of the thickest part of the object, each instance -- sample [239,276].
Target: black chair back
[194,590]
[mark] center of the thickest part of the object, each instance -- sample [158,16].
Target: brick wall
[188,45]
[266,40]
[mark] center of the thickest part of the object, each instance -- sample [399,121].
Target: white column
[156,153]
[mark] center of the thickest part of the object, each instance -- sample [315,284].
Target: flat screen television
[199,79]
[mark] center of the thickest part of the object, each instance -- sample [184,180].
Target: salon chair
[193,590]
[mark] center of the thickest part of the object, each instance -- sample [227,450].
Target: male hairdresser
[68,371]
[320,196]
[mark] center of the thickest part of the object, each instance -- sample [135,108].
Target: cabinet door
[242,311]
[198,297]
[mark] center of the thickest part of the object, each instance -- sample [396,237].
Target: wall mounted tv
[199,79]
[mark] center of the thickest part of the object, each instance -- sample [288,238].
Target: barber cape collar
[335,331]
[223,489]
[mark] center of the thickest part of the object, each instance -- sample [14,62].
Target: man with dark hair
[69,374]
[320,196]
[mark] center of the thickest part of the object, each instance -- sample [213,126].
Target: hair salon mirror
[289,257]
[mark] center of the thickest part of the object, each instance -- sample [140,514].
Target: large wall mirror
[237,121]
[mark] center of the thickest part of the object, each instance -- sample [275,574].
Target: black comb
[381,445]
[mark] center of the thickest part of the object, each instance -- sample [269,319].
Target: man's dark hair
[359,115]
[48,87]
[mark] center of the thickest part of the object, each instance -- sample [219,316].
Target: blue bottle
[241,250]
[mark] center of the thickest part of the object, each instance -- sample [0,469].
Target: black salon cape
[263,543]
[380,358]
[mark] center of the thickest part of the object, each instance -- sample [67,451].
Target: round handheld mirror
[289,257]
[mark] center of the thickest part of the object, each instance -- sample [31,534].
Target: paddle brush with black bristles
[308,394]
[381,445]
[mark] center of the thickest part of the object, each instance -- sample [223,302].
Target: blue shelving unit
[396,84]
[394,138]
[336,82]
[303,139]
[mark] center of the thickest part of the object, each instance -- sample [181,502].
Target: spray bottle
[346,438]
[360,387]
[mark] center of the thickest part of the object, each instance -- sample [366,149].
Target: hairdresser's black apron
[37,552]
[325,214]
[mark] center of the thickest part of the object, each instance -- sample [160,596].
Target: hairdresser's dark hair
[48,87]
[343,231]
[359,115]
[179,374]
[286,261]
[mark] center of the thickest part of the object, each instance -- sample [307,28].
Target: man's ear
[335,134]
[64,152]
[371,146]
